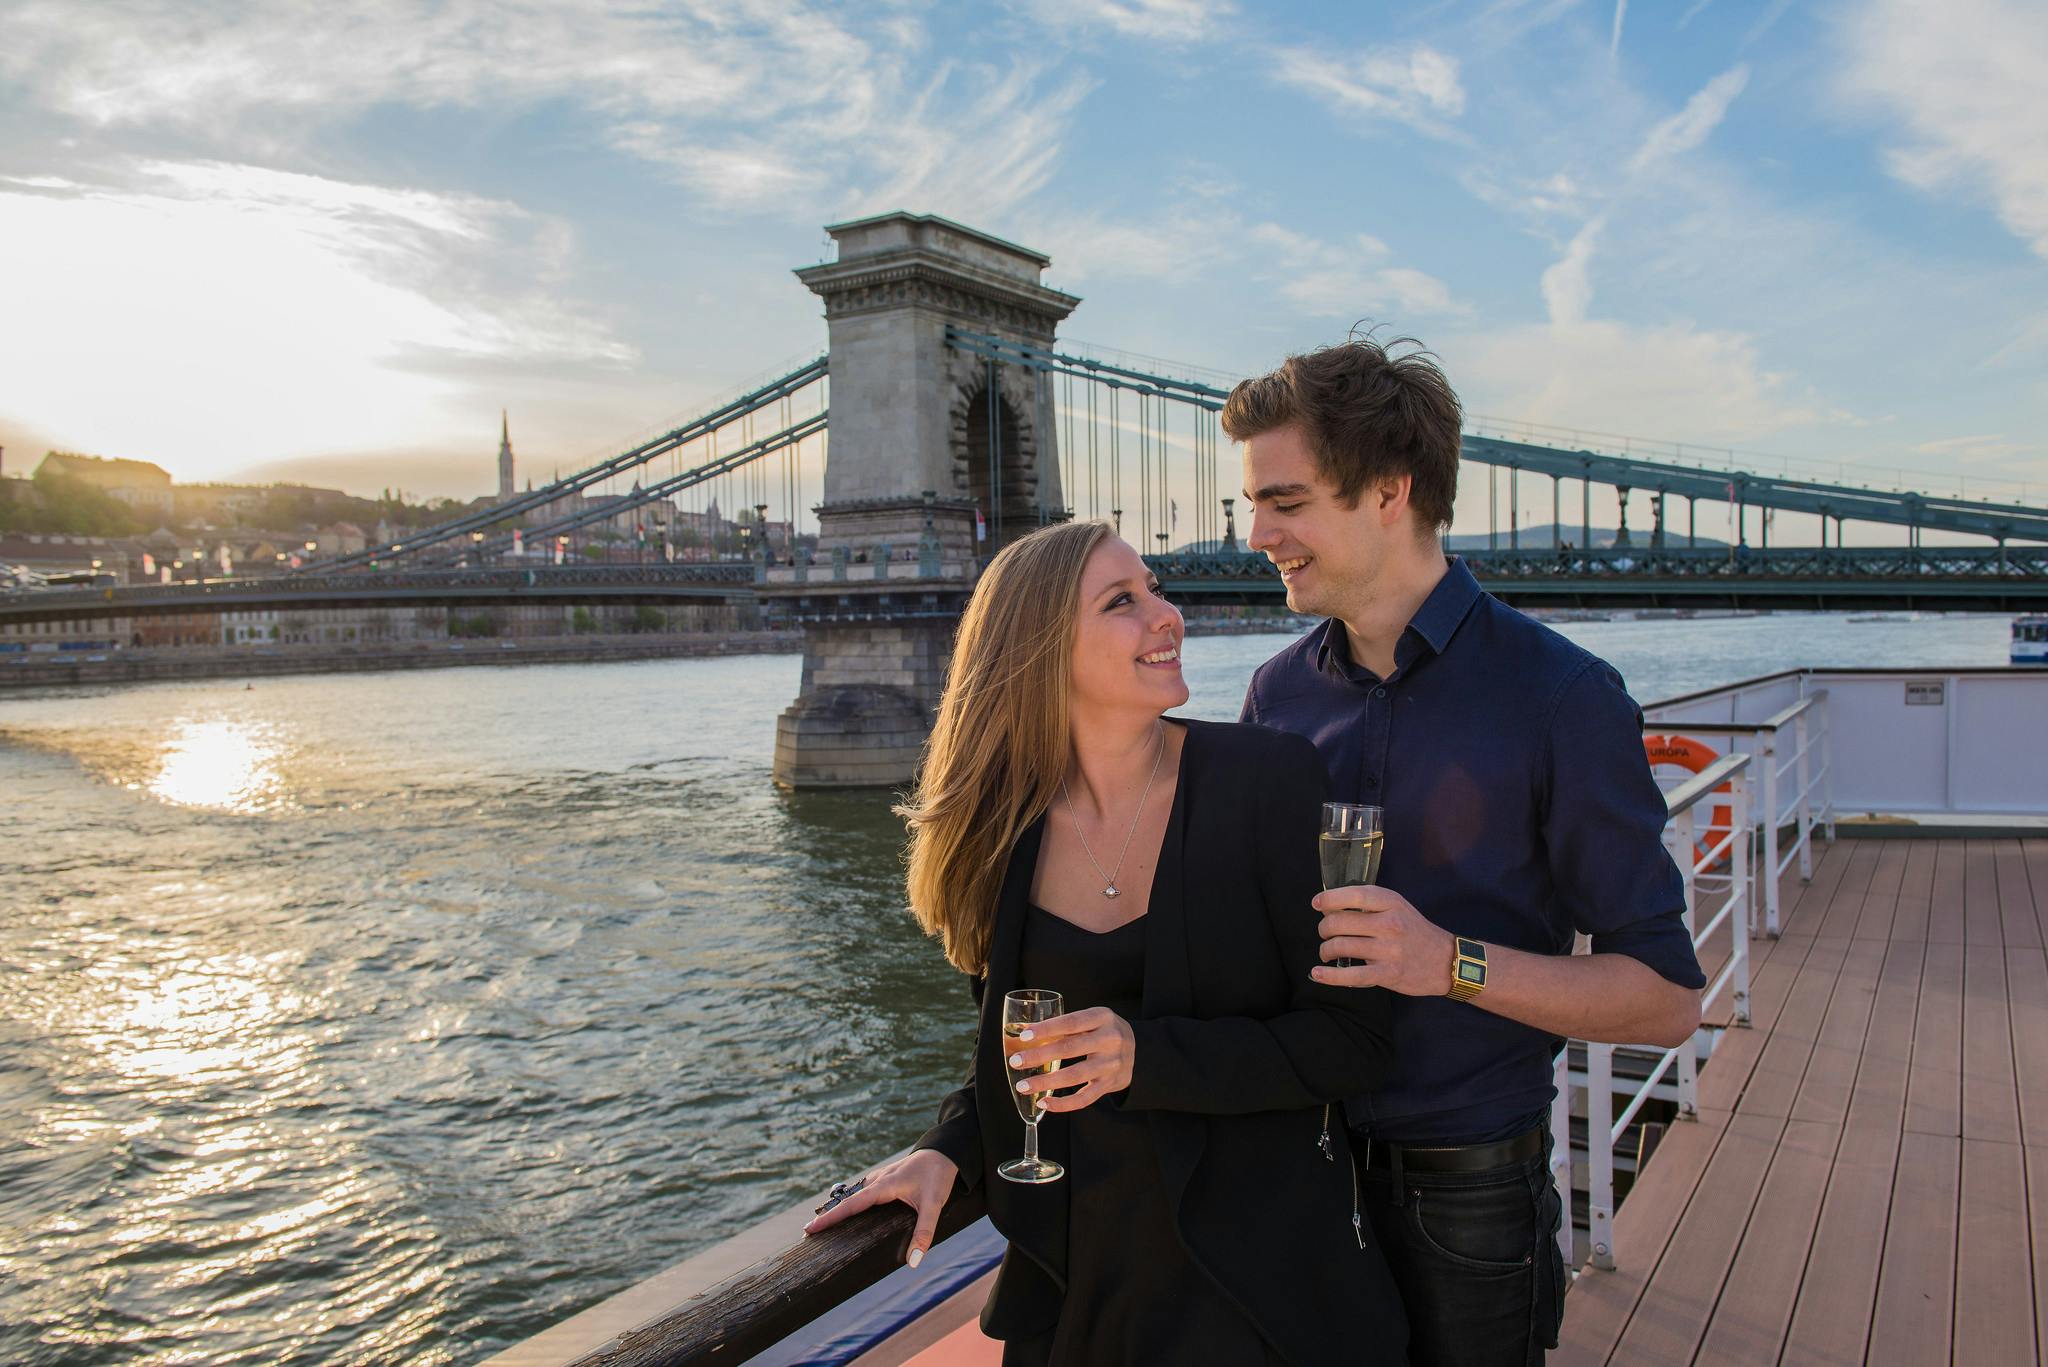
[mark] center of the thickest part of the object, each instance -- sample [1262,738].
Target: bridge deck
[1868,1179]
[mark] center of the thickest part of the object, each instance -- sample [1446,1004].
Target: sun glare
[226,765]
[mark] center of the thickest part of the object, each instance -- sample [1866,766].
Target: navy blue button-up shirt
[1519,808]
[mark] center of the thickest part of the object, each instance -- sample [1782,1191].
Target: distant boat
[1884,617]
[2030,640]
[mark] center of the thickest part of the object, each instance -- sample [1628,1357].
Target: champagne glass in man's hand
[1350,850]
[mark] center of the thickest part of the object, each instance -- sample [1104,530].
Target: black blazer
[1237,1052]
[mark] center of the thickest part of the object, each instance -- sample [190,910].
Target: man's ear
[1391,497]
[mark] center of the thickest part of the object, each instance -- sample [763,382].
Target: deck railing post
[1740,928]
[1561,1145]
[1827,767]
[1600,1153]
[1767,873]
[1679,831]
[1800,773]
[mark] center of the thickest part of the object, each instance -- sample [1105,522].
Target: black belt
[1377,1153]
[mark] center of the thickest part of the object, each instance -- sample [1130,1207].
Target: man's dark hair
[1367,416]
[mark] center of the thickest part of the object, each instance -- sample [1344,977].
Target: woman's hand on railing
[921,1180]
[1095,1050]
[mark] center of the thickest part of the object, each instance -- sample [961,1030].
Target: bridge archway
[995,462]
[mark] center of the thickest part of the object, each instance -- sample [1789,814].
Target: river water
[381,1018]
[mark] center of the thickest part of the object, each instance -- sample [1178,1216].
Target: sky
[295,240]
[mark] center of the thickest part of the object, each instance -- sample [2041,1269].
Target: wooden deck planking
[1600,1306]
[1913,1323]
[1982,924]
[2037,1226]
[1597,1310]
[1934,1086]
[1881,904]
[1991,1102]
[1879,1096]
[1755,1306]
[1994,1300]
[1672,1314]
[1831,1321]
[2026,976]
[1945,908]
[1845,907]
[1830,1077]
[2034,855]
[1901,1213]
[1774,1083]
[1916,884]
[2021,922]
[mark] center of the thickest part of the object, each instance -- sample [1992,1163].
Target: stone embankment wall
[248,662]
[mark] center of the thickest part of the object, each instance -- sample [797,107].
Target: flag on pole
[518,543]
[1173,513]
[227,564]
[148,565]
[980,527]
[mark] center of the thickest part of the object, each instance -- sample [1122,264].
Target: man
[1519,809]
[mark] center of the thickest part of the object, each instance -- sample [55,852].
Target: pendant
[1111,892]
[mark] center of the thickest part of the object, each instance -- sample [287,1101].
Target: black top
[1132,1294]
[1236,1051]
[1519,809]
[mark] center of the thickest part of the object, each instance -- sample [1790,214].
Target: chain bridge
[956,423]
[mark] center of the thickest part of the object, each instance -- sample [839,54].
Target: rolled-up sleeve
[1603,826]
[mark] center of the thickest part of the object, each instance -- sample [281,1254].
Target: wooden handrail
[761,1305]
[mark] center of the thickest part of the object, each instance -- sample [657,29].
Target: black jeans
[1475,1255]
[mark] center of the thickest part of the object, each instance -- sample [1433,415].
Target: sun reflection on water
[227,765]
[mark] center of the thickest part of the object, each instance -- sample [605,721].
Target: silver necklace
[1109,887]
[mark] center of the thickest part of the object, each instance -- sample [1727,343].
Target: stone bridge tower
[936,460]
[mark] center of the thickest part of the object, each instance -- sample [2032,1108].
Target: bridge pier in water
[938,458]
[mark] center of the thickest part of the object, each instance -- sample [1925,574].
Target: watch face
[1471,973]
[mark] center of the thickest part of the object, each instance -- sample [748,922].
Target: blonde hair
[1001,743]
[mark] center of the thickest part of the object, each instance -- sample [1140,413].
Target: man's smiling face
[1328,554]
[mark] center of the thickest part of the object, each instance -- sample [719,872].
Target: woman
[1066,836]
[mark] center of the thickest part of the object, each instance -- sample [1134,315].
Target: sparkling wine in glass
[1022,1010]
[1350,850]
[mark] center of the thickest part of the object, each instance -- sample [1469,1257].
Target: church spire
[506,488]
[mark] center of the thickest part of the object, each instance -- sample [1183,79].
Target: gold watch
[1468,969]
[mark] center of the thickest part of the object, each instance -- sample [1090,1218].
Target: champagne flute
[1023,1009]
[1350,850]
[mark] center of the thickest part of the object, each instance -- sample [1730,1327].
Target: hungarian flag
[980,526]
[518,542]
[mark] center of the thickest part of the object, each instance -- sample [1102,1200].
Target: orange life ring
[1693,756]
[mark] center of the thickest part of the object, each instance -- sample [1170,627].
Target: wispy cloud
[1415,85]
[1614,40]
[1692,125]
[750,104]
[1350,279]
[1963,82]
[1171,21]
[1568,284]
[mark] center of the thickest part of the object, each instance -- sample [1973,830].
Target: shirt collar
[1434,623]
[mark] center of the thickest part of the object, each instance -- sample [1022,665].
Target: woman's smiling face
[1126,637]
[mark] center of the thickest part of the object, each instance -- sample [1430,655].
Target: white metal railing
[1696,852]
[1794,750]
